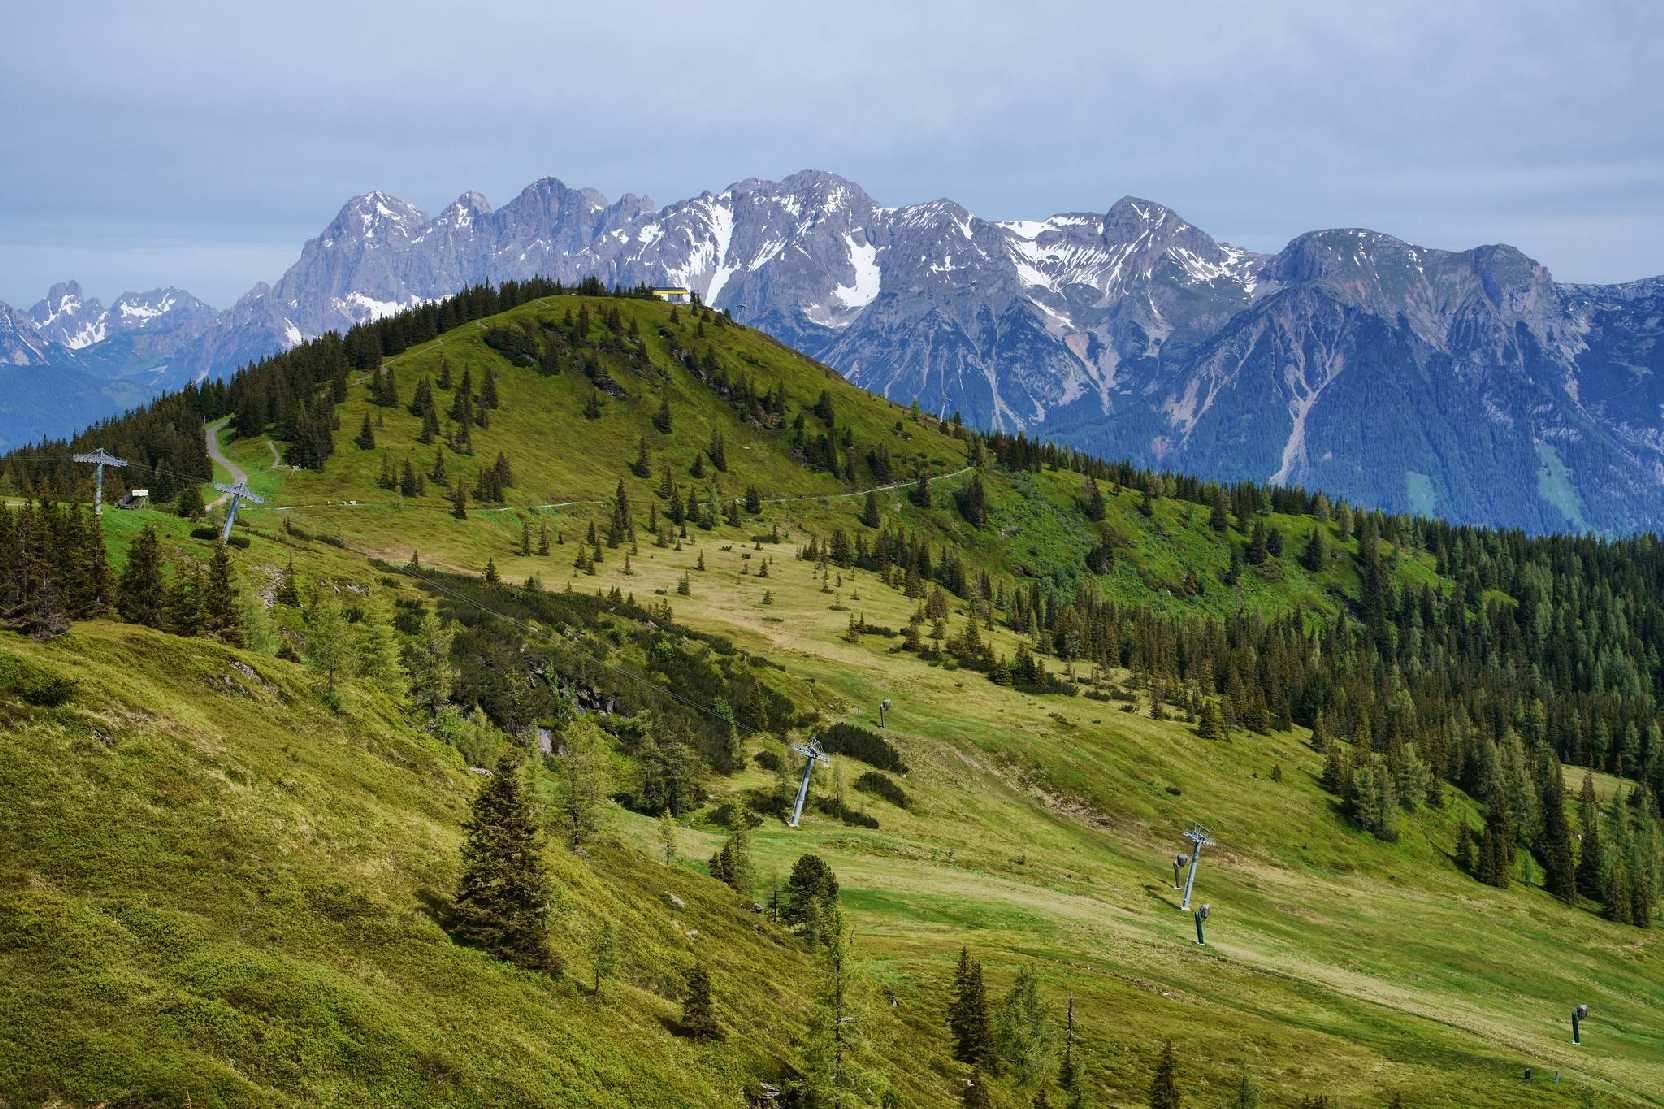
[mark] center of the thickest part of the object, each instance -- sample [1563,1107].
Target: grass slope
[215,887]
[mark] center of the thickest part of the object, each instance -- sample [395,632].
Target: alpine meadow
[470,768]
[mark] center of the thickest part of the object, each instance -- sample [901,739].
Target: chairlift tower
[238,494]
[99,459]
[1198,836]
[812,754]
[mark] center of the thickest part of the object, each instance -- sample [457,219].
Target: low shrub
[879,786]
[864,745]
[831,807]
[47,691]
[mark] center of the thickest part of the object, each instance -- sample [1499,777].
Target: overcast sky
[199,144]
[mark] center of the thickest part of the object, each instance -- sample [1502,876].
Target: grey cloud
[238,127]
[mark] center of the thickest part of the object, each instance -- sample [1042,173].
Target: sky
[200,144]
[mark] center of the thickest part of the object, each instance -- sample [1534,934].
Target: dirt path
[211,438]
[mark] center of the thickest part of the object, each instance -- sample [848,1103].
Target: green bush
[514,344]
[33,686]
[831,807]
[47,690]
[212,535]
[859,743]
[879,786]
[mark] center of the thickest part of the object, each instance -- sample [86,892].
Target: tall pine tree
[1164,1088]
[139,596]
[221,616]
[968,1015]
[1554,841]
[698,1010]
[502,901]
[1591,863]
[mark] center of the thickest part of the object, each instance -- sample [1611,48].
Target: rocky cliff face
[21,343]
[1465,383]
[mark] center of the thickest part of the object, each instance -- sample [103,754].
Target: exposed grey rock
[64,317]
[1466,383]
[21,343]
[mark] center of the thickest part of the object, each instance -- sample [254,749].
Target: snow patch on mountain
[140,314]
[90,332]
[863,258]
[362,308]
[722,229]
[705,267]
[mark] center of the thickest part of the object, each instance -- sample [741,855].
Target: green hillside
[219,886]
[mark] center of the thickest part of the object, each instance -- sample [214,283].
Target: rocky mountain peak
[21,343]
[550,199]
[1343,254]
[62,299]
[823,192]
[66,317]
[371,215]
[465,209]
[1133,216]
[630,206]
[166,306]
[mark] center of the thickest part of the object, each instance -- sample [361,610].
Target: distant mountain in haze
[1465,384]
[69,361]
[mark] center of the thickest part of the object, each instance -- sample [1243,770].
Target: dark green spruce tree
[698,1010]
[139,595]
[1164,1087]
[502,901]
[1496,845]
[221,617]
[1554,839]
[1591,863]
[973,1041]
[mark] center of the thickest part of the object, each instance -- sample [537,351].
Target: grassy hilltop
[216,887]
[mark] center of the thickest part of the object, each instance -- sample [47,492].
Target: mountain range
[1467,384]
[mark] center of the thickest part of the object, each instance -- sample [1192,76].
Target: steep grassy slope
[216,887]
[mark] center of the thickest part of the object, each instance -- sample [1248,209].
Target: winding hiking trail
[211,437]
